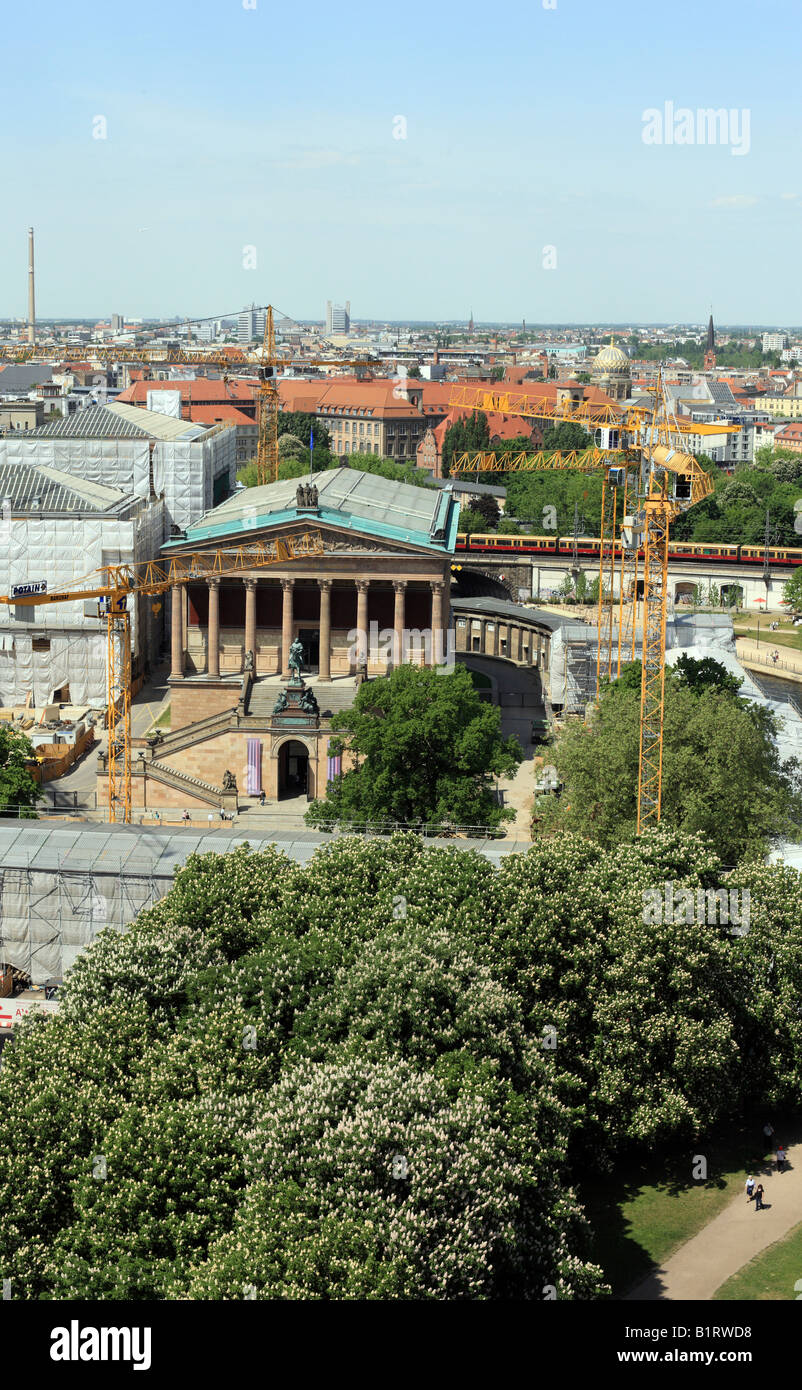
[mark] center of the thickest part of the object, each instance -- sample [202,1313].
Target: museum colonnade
[405,640]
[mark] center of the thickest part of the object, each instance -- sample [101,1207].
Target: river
[776,688]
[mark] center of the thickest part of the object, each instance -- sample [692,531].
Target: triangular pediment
[343,542]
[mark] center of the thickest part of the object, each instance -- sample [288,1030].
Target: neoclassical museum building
[385,571]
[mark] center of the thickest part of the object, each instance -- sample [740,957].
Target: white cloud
[737,200]
[789,197]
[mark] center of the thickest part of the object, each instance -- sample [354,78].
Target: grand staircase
[182,782]
[330,695]
[254,710]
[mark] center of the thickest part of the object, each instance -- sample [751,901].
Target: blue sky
[273,127]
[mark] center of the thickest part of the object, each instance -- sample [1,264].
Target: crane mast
[113,584]
[668,481]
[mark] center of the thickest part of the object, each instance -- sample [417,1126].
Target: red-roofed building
[199,391]
[789,437]
[208,401]
[501,427]
[386,416]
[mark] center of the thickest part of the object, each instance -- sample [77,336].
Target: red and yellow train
[492,542]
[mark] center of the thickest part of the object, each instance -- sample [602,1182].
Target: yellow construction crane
[111,585]
[612,465]
[266,361]
[668,482]
[269,402]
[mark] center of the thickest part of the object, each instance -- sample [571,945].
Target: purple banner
[254,778]
[335,767]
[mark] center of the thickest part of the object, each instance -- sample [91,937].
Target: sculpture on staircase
[295,660]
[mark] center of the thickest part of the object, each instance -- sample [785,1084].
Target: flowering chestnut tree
[379,1074]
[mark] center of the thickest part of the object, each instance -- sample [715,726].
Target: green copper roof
[362,502]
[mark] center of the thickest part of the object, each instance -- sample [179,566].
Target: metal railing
[784,698]
[770,665]
[443,829]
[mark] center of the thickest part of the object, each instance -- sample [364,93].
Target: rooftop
[200,390]
[362,502]
[515,612]
[118,421]
[141,851]
[22,483]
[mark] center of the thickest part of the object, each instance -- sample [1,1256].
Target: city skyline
[399,167]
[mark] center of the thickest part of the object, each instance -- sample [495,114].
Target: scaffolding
[60,886]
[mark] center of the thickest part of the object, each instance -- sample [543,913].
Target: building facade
[141,452]
[55,530]
[377,596]
[385,417]
[338,317]
[251,324]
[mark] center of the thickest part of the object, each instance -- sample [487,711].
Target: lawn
[788,638]
[776,1273]
[642,1215]
[163,721]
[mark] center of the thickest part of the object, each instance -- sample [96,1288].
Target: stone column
[399,619]
[213,641]
[325,629]
[250,619]
[177,651]
[362,616]
[438,652]
[286,623]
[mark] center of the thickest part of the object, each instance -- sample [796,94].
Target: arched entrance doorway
[293,769]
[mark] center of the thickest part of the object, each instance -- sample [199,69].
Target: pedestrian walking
[186,816]
[768,1130]
[750,1188]
[759,1197]
[780,1158]
[775,656]
[210,819]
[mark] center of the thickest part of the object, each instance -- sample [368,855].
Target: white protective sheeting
[62,551]
[184,472]
[122,463]
[49,918]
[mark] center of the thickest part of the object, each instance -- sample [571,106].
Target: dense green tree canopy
[427,749]
[472,522]
[792,590]
[566,437]
[722,774]
[463,436]
[377,1074]
[17,787]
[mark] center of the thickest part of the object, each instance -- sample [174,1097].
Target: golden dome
[610,359]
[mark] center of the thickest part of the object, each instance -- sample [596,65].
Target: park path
[757,655]
[731,1239]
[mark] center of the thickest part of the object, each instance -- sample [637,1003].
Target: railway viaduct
[517,578]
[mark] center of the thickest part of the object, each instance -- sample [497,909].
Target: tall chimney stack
[31,304]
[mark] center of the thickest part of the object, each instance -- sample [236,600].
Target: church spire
[710,347]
